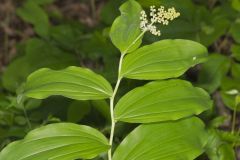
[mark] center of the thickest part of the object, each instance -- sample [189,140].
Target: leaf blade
[73,82]
[162,101]
[126,28]
[168,141]
[76,141]
[163,59]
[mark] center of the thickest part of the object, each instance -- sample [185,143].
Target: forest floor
[13,30]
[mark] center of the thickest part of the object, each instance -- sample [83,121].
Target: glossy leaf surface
[162,101]
[126,28]
[63,141]
[183,139]
[163,59]
[73,82]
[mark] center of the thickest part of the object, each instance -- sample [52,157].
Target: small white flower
[160,16]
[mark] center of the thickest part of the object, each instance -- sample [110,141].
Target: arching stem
[112,107]
[113,121]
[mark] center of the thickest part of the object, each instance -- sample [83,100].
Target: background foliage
[57,34]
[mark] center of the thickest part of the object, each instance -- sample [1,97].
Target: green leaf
[126,28]
[177,140]
[35,15]
[73,82]
[213,71]
[163,59]
[162,101]
[63,141]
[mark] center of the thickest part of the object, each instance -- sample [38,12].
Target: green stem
[112,107]
[113,121]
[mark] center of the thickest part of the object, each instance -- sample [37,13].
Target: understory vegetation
[120,79]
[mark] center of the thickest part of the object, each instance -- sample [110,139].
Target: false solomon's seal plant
[164,108]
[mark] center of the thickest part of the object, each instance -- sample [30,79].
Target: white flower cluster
[160,16]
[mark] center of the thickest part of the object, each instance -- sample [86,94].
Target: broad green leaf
[177,140]
[126,28]
[162,101]
[62,141]
[31,12]
[73,82]
[213,71]
[38,54]
[163,59]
